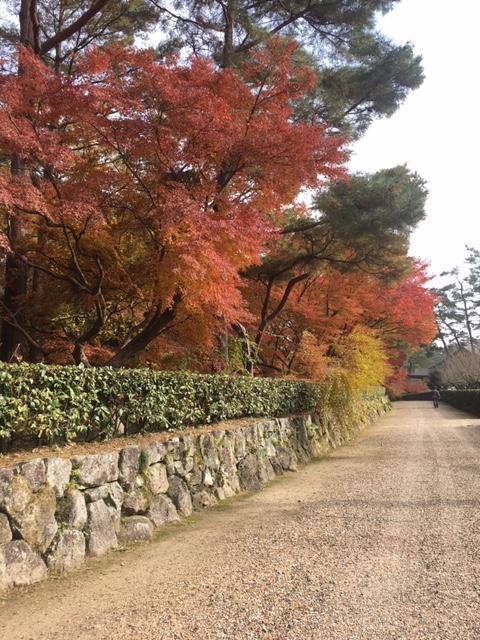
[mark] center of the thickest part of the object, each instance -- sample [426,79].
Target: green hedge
[47,404]
[468,400]
[44,404]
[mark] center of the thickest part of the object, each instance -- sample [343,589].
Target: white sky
[436,132]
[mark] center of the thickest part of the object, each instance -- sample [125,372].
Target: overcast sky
[436,132]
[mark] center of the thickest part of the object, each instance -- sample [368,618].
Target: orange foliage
[332,306]
[148,187]
[415,386]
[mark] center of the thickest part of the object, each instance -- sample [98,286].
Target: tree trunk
[266,317]
[228,45]
[152,330]
[467,318]
[442,338]
[13,343]
[16,280]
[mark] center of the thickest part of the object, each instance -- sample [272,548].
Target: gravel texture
[379,541]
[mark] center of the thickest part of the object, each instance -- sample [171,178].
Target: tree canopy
[156,203]
[150,187]
[360,74]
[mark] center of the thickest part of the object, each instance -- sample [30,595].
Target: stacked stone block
[56,512]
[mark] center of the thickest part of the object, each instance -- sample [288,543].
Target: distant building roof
[419,373]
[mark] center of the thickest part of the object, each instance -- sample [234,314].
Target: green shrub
[42,404]
[468,400]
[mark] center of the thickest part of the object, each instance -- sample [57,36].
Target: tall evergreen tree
[361,74]
[458,308]
[363,224]
[58,30]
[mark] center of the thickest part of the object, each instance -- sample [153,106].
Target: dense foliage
[359,73]
[45,404]
[465,400]
[459,370]
[155,185]
[152,202]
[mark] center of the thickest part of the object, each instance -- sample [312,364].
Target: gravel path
[379,541]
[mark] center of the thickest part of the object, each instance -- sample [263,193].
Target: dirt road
[379,541]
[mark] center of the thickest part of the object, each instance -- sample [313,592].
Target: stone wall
[56,511]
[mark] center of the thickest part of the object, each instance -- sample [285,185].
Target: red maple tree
[329,306]
[146,188]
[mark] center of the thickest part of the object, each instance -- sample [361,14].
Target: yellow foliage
[363,359]
[349,379]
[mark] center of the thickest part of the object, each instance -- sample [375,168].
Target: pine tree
[360,74]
